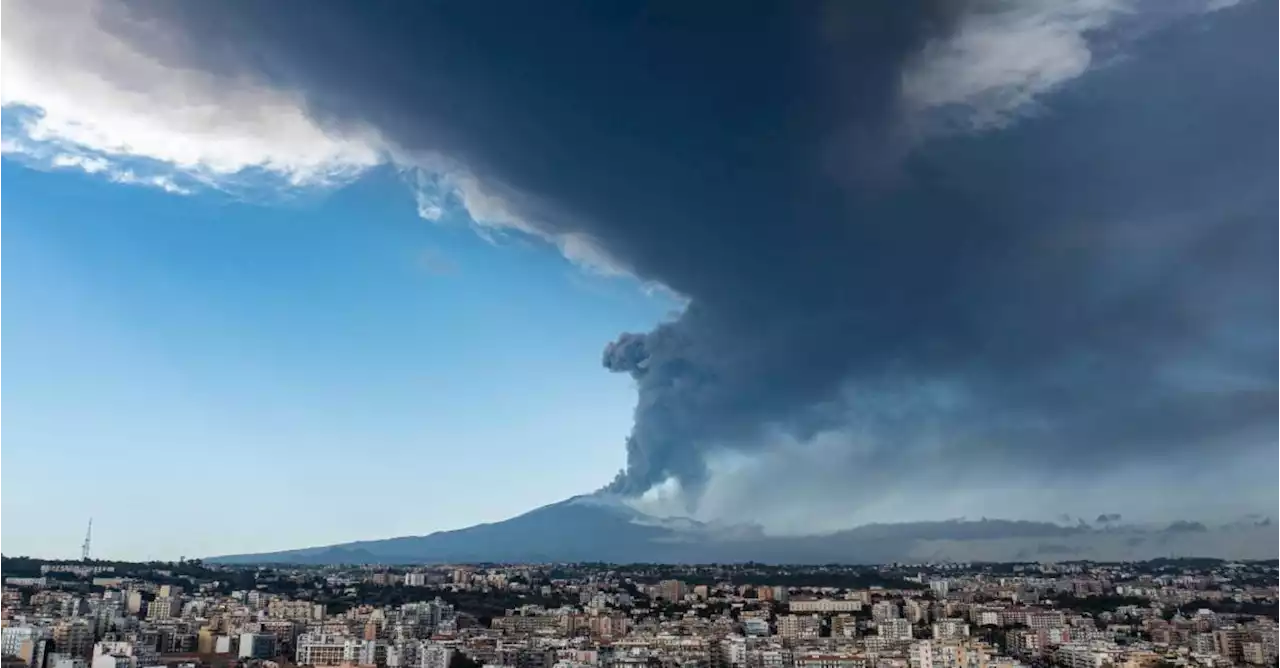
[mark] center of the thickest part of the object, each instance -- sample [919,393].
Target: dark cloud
[1086,283]
[1185,526]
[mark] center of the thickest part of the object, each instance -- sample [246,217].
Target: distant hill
[597,528]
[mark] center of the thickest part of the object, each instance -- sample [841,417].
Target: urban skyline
[876,279]
[1193,613]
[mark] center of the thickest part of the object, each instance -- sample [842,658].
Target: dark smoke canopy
[890,239]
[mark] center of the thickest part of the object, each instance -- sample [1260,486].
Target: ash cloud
[1044,270]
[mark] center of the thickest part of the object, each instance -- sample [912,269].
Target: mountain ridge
[599,528]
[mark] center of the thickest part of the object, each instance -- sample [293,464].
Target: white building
[372,653]
[756,627]
[59,660]
[415,579]
[434,655]
[1087,655]
[948,629]
[326,649]
[885,610]
[256,646]
[950,654]
[829,660]
[1046,619]
[12,637]
[916,611]
[123,654]
[825,605]
[163,607]
[894,629]
[25,582]
[733,651]
[799,626]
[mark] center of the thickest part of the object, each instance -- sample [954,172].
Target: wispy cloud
[1004,57]
[439,187]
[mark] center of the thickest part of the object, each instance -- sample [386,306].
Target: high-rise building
[60,660]
[948,629]
[73,637]
[844,625]
[799,626]
[755,627]
[885,610]
[1228,642]
[434,655]
[325,649]
[12,637]
[916,611]
[1046,619]
[123,654]
[163,607]
[372,653]
[1026,643]
[205,640]
[671,590]
[894,629]
[257,646]
[949,654]
[826,605]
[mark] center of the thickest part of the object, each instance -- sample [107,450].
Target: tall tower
[88,535]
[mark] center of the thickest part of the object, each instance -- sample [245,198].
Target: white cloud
[586,252]
[1001,59]
[9,146]
[90,164]
[95,93]
[1007,54]
[161,181]
[437,186]
[80,95]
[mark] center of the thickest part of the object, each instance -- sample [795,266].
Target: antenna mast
[88,534]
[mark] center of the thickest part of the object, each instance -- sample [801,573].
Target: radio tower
[88,534]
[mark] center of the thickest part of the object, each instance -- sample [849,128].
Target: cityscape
[1155,614]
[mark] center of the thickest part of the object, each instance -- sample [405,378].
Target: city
[186,614]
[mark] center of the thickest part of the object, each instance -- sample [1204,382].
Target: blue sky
[204,375]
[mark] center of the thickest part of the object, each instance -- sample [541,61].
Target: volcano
[603,528]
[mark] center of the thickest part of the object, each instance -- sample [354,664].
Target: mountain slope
[571,530]
[594,528]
